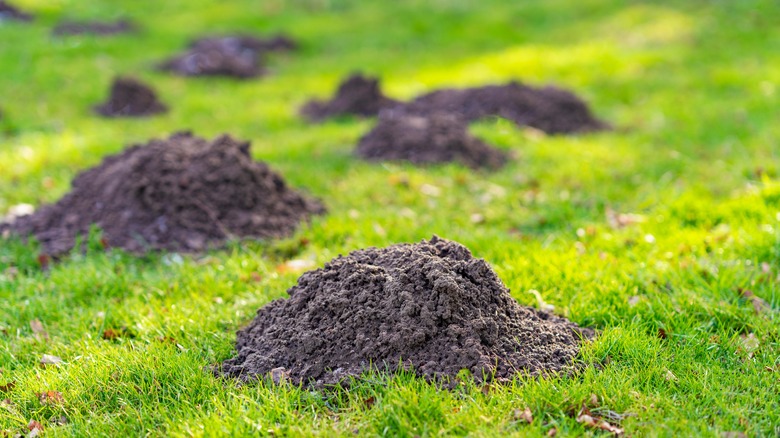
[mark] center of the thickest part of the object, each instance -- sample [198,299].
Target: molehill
[357,95]
[10,12]
[103,28]
[429,306]
[183,193]
[237,56]
[436,138]
[130,98]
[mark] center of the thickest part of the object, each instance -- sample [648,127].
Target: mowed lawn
[663,234]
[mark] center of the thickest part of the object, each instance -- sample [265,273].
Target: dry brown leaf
[38,329]
[523,415]
[50,397]
[369,402]
[552,432]
[662,333]
[759,305]
[621,220]
[48,359]
[33,426]
[633,301]
[8,387]
[598,423]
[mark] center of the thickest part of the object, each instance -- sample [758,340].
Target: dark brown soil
[130,98]
[357,95]
[183,193]
[94,27]
[431,306]
[236,56]
[437,138]
[549,109]
[10,12]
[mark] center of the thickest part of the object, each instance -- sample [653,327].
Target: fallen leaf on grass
[369,402]
[44,260]
[597,423]
[733,435]
[662,333]
[112,334]
[621,220]
[552,432]
[37,328]
[523,415]
[749,344]
[759,305]
[34,427]
[60,421]
[633,301]
[669,376]
[48,359]
[8,387]
[297,265]
[50,397]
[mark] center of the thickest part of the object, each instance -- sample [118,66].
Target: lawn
[663,234]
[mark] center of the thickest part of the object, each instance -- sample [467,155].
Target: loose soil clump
[183,193]
[549,109]
[236,56]
[437,138]
[130,98]
[430,306]
[10,12]
[357,95]
[94,28]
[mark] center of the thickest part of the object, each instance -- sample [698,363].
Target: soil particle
[94,27]
[130,98]
[436,138]
[183,193]
[10,12]
[357,95]
[237,56]
[549,109]
[430,306]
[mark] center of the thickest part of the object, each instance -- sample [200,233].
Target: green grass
[692,88]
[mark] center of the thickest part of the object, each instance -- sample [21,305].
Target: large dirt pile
[549,109]
[431,305]
[94,27]
[357,95]
[10,12]
[183,193]
[237,56]
[437,138]
[130,98]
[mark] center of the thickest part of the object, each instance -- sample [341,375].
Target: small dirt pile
[431,305]
[94,27]
[437,138]
[130,98]
[549,109]
[357,95]
[183,193]
[10,12]
[236,56]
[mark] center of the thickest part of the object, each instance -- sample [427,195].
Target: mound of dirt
[437,138]
[10,12]
[130,98]
[183,193]
[550,109]
[357,95]
[430,305]
[94,27]
[236,56]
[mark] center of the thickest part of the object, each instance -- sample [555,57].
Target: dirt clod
[430,306]
[237,56]
[435,138]
[94,27]
[130,98]
[357,95]
[183,193]
[10,12]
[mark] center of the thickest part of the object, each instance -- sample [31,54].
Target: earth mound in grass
[10,12]
[130,98]
[183,193]
[357,95]
[436,138]
[549,109]
[429,306]
[104,28]
[237,56]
